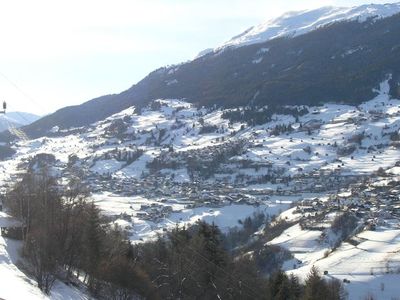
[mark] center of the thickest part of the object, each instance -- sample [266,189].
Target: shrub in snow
[346,150]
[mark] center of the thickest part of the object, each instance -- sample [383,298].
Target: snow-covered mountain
[301,22]
[340,63]
[16,119]
[22,118]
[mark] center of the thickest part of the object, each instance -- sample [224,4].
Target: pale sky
[60,53]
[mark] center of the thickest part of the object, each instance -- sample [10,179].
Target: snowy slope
[369,266]
[178,123]
[301,22]
[129,191]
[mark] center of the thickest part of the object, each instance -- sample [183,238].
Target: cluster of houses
[373,204]
[197,158]
[154,212]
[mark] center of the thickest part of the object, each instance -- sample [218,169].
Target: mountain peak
[301,22]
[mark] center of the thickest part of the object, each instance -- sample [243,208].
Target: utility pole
[4,108]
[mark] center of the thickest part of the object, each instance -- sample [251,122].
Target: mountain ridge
[342,63]
[295,23]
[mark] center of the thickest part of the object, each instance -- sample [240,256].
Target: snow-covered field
[224,217]
[372,267]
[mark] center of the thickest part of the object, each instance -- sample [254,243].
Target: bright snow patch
[301,22]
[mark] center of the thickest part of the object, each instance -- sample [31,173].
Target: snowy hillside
[297,23]
[171,162]
[180,125]
[173,141]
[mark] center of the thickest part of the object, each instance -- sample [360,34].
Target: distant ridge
[16,119]
[301,22]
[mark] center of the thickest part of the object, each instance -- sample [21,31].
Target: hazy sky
[59,53]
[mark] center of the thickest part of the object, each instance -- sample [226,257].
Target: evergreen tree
[93,237]
[296,289]
[315,288]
